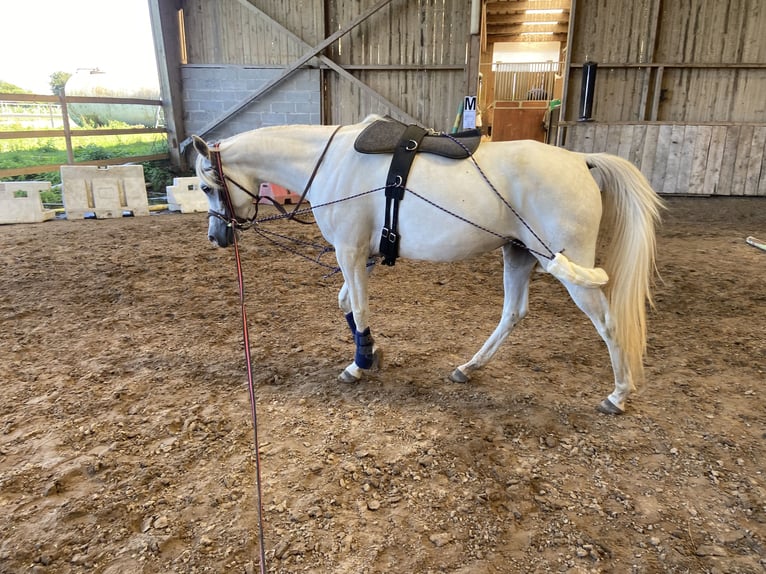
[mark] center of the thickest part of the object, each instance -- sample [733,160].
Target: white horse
[538,203]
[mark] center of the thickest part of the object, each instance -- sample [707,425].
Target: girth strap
[401,162]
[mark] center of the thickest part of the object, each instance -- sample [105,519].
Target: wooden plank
[727,162]
[25,134]
[686,159]
[35,169]
[744,146]
[583,136]
[714,159]
[613,135]
[699,160]
[753,176]
[637,145]
[625,141]
[600,137]
[670,181]
[762,181]
[649,152]
[661,157]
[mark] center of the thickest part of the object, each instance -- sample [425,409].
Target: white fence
[525,81]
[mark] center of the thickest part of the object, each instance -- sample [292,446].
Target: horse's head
[230,205]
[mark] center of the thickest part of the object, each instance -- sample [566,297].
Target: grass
[15,153]
[45,151]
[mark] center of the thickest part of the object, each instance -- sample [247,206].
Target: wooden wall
[228,32]
[694,61]
[679,91]
[707,159]
[411,52]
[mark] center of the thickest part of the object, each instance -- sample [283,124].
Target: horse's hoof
[458,376]
[347,377]
[608,408]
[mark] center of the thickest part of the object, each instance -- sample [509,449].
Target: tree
[57,80]
[8,88]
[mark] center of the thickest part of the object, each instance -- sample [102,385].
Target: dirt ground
[126,444]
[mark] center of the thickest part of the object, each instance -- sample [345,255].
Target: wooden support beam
[341,71]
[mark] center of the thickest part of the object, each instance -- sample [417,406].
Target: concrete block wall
[209,91]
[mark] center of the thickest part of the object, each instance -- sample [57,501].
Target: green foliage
[46,151]
[51,197]
[57,81]
[8,88]
[158,176]
[92,152]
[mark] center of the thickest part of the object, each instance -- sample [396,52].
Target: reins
[239,223]
[249,365]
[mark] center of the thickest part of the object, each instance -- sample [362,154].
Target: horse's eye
[205,188]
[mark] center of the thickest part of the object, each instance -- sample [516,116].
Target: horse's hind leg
[517,268]
[593,302]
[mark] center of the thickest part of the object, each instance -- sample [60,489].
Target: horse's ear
[201,146]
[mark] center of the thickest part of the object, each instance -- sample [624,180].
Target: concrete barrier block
[186,196]
[104,192]
[20,202]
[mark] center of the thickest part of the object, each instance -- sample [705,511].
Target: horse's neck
[284,155]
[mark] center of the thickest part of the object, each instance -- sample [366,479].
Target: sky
[40,37]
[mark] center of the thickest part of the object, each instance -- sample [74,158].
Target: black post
[588,90]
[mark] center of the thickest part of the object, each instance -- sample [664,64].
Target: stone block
[20,202]
[186,196]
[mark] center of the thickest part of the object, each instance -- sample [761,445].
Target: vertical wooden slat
[661,157]
[744,146]
[675,144]
[625,141]
[699,160]
[731,144]
[686,159]
[613,134]
[753,176]
[637,145]
[600,137]
[715,159]
[649,154]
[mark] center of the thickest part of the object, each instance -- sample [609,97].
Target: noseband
[230,218]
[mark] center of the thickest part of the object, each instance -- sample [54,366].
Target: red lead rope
[251,388]
[248,362]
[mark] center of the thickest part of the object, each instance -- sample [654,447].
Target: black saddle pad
[383,135]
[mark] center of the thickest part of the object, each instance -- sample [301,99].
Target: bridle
[231,219]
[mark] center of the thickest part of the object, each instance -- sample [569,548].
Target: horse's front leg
[353,300]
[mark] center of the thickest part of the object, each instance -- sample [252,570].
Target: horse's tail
[631,210]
